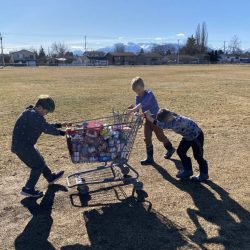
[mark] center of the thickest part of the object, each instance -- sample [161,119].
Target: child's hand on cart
[130,109]
[63,125]
[66,124]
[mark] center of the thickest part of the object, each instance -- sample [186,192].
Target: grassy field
[175,215]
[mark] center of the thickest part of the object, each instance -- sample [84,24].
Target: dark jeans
[197,146]
[34,160]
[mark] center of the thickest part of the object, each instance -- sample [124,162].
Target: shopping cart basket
[109,141]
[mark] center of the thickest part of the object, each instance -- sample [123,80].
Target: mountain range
[129,47]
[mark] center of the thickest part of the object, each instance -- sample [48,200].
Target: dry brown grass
[183,215]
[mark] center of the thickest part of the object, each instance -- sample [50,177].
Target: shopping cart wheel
[138,185]
[83,189]
[125,170]
[141,195]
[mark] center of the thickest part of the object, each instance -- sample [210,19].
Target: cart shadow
[215,206]
[105,196]
[131,225]
[35,234]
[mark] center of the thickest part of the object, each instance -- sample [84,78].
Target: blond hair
[137,82]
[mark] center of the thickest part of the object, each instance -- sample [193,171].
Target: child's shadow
[233,230]
[36,233]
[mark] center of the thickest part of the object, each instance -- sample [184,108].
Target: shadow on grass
[105,196]
[232,220]
[131,225]
[36,233]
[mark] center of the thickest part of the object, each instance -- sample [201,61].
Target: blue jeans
[34,160]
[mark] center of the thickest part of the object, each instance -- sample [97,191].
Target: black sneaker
[201,177]
[184,175]
[31,192]
[55,177]
[169,153]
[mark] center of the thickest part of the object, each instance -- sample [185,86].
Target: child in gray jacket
[28,128]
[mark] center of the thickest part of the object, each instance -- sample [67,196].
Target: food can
[111,142]
[113,155]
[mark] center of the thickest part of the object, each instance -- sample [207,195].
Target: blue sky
[30,23]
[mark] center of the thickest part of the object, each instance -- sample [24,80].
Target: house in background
[149,59]
[229,58]
[23,58]
[97,61]
[121,58]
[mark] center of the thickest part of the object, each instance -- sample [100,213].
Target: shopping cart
[108,141]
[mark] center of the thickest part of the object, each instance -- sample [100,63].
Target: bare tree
[204,37]
[201,37]
[198,36]
[119,47]
[59,49]
[235,45]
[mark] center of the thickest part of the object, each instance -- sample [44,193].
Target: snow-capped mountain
[77,52]
[136,47]
[130,47]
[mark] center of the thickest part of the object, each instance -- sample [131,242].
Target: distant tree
[235,45]
[220,52]
[190,47]
[41,52]
[41,56]
[204,37]
[213,56]
[198,36]
[119,48]
[69,54]
[141,51]
[34,51]
[59,49]
[201,37]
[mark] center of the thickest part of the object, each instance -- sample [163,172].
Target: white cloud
[180,35]
[158,38]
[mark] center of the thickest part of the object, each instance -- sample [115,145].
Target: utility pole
[178,52]
[85,44]
[224,47]
[1,40]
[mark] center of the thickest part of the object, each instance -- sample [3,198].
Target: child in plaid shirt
[192,137]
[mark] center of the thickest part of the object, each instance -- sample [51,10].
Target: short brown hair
[137,82]
[46,102]
[163,114]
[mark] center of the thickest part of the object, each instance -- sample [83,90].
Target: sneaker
[55,177]
[201,177]
[31,192]
[169,153]
[184,174]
